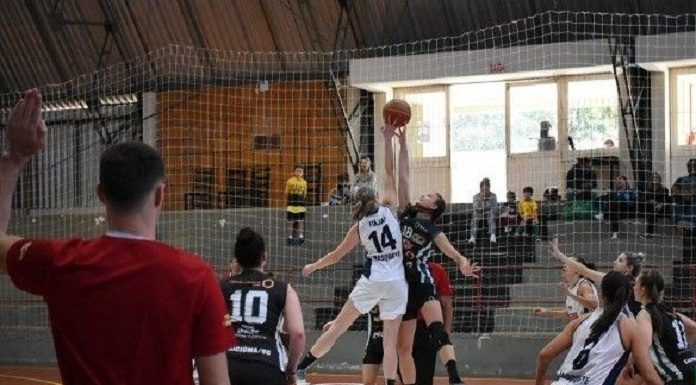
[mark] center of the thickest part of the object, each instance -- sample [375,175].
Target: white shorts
[391,296]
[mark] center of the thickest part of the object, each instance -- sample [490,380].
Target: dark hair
[511,194]
[655,285]
[367,204]
[587,264]
[485,182]
[365,157]
[249,248]
[299,166]
[615,290]
[440,206]
[634,261]
[528,189]
[128,172]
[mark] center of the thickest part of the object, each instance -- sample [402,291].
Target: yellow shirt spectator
[528,209]
[296,191]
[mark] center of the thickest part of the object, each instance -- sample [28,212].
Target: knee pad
[438,336]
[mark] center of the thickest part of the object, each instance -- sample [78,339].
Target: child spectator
[509,216]
[528,209]
[550,210]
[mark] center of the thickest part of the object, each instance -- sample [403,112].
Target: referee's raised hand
[26,131]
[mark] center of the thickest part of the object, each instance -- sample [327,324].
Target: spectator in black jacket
[655,203]
[581,180]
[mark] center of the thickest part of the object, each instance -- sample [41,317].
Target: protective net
[563,103]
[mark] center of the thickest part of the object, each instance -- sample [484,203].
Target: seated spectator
[365,176]
[617,205]
[485,210]
[529,211]
[609,144]
[509,216]
[684,194]
[341,194]
[581,181]
[550,210]
[655,203]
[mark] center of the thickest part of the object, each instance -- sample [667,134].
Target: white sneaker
[614,236]
[493,239]
[472,240]
[599,217]
[300,378]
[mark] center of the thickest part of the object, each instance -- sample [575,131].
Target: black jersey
[256,301]
[418,235]
[670,352]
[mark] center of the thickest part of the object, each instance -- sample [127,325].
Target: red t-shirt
[124,311]
[443,287]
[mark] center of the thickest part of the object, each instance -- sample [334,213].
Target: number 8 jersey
[380,234]
[256,301]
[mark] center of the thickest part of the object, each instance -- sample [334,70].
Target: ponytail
[654,284]
[367,203]
[615,290]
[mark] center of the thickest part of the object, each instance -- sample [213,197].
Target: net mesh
[518,103]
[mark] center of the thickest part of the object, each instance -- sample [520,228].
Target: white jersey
[573,306]
[380,234]
[594,363]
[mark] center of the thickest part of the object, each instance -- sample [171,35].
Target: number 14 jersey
[381,236]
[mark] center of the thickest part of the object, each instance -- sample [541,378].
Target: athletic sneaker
[472,240]
[493,240]
[300,377]
[614,235]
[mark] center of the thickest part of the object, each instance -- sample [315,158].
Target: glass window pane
[427,133]
[686,109]
[530,107]
[593,113]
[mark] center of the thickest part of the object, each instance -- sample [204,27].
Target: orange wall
[215,128]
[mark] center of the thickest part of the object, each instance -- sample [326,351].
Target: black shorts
[374,352]
[247,372]
[418,295]
[294,217]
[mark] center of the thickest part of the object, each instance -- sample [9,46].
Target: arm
[404,171]
[592,275]
[690,327]
[212,370]
[639,343]
[25,136]
[557,346]
[294,327]
[389,183]
[561,314]
[446,247]
[351,240]
[447,312]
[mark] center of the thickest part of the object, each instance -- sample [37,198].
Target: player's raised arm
[351,240]
[404,169]
[389,194]
[25,136]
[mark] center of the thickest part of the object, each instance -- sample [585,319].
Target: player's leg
[432,313]
[374,355]
[369,374]
[404,349]
[425,354]
[348,314]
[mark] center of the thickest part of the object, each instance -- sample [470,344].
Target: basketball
[397,111]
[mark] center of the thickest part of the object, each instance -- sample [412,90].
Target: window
[477,136]
[427,134]
[533,117]
[267,142]
[593,113]
[685,104]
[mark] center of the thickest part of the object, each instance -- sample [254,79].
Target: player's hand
[290,378]
[26,131]
[388,130]
[538,311]
[469,269]
[308,269]
[554,251]
[563,288]
[327,326]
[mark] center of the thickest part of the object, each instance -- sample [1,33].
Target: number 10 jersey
[380,234]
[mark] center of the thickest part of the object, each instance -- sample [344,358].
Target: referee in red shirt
[124,308]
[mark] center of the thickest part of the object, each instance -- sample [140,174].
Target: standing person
[116,302]
[581,181]
[365,176]
[600,342]
[669,331]
[580,292]
[261,307]
[382,282]
[420,238]
[655,202]
[529,211]
[296,191]
[485,210]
